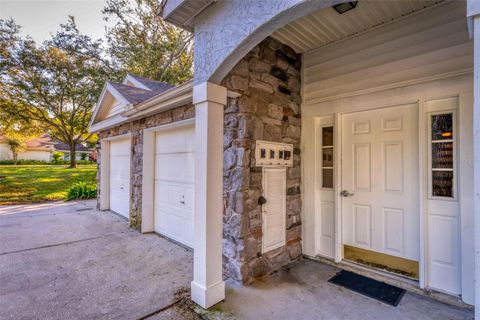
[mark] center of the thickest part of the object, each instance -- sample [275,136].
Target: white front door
[119,185]
[380,179]
[174,184]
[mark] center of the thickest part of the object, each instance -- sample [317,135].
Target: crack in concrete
[60,244]
[151,314]
[34,215]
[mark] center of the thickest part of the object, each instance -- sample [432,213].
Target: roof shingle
[134,95]
[153,85]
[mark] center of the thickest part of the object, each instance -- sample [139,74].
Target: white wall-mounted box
[273,154]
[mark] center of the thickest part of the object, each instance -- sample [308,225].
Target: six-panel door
[380,179]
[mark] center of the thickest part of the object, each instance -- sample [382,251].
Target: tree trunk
[15,157]
[73,161]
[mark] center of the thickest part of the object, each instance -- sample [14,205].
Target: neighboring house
[42,147]
[39,148]
[369,110]
[81,151]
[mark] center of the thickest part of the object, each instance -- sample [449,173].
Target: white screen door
[380,180]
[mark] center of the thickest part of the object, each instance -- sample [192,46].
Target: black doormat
[371,288]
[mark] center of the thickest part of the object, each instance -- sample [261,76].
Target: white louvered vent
[274,216]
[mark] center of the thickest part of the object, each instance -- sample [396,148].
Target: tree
[15,147]
[15,131]
[54,85]
[57,156]
[142,43]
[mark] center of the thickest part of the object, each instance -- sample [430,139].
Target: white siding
[428,45]
[5,153]
[34,155]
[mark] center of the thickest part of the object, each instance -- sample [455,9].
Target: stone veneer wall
[136,162]
[268,79]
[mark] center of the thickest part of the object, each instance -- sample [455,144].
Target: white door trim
[422,226]
[337,142]
[148,171]
[105,170]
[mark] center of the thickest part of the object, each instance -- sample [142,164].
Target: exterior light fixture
[344,7]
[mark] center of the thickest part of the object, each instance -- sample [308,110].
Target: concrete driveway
[69,261]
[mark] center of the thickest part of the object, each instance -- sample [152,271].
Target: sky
[40,18]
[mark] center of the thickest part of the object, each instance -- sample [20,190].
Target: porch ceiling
[327,26]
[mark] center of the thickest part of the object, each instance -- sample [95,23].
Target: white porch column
[208,287]
[473,14]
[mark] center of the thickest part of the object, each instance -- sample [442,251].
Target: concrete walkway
[302,291]
[70,261]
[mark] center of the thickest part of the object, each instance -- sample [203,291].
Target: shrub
[42,162]
[23,162]
[83,156]
[82,190]
[57,156]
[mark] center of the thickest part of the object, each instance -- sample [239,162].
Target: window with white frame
[327,157]
[442,155]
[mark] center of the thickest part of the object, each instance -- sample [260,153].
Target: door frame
[104,198]
[312,113]
[148,171]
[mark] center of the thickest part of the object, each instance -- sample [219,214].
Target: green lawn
[26,184]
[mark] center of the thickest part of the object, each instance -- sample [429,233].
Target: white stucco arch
[228,30]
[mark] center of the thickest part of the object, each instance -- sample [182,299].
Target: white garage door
[174,184]
[120,176]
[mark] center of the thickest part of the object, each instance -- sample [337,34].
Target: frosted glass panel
[442,155]
[327,157]
[442,183]
[327,136]
[442,126]
[327,181]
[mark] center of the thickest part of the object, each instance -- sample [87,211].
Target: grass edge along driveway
[38,183]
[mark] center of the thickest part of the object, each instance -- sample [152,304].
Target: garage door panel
[189,199]
[174,196]
[120,147]
[161,193]
[119,163]
[189,237]
[175,227]
[170,167]
[116,179]
[174,189]
[189,173]
[120,204]
[175,140]
[119,177]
